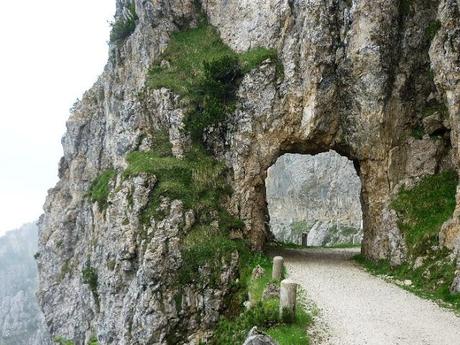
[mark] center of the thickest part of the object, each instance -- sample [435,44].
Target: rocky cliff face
[377,81]
[21,321]
[315,195]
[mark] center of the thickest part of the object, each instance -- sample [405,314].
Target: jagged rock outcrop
[21,321]
[358,78]
[315,195]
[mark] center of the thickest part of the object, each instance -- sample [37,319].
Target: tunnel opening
[314,200]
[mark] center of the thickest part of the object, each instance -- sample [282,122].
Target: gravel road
[357,308]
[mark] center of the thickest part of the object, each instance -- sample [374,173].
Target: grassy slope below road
[233,329]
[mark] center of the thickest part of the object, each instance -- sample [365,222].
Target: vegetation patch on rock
[206,247]
[264,313]
[90,277]
[431,280]
[63,341]
[99,190]
[432,29]
[202,69]
[200,182]
[423,209]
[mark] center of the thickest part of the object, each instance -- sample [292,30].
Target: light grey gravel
[358,308]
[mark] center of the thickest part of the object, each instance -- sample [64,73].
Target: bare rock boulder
[256,337]
[271,291]
[258,272]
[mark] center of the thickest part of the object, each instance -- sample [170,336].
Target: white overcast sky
[51,51]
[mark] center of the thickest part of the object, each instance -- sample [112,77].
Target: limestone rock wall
[21,321]
[137,299]
[318,195]
[359,77]
[445,54]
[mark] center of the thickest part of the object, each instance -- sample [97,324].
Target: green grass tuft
[234,331]
[93,341]
[286,245]
[63,341]
[89,275]
[254,58]
[99,190]
[215,95]
[292,334]
[432,29]
[186,52]
[345,245]
[256,287]
[66,268]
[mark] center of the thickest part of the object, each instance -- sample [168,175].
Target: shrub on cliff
[89,277]
[214,96]
[124,26]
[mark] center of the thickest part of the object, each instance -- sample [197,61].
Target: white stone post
[288,300]
[278,265]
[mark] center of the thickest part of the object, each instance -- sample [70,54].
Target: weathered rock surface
[21,321]
[258,338]
[356,79]
[317,195]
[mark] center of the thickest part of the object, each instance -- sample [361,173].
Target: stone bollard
[288,300]
[278,265]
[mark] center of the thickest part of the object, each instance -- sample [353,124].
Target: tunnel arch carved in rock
[382,238]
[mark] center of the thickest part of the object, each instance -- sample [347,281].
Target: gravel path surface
[358,308]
